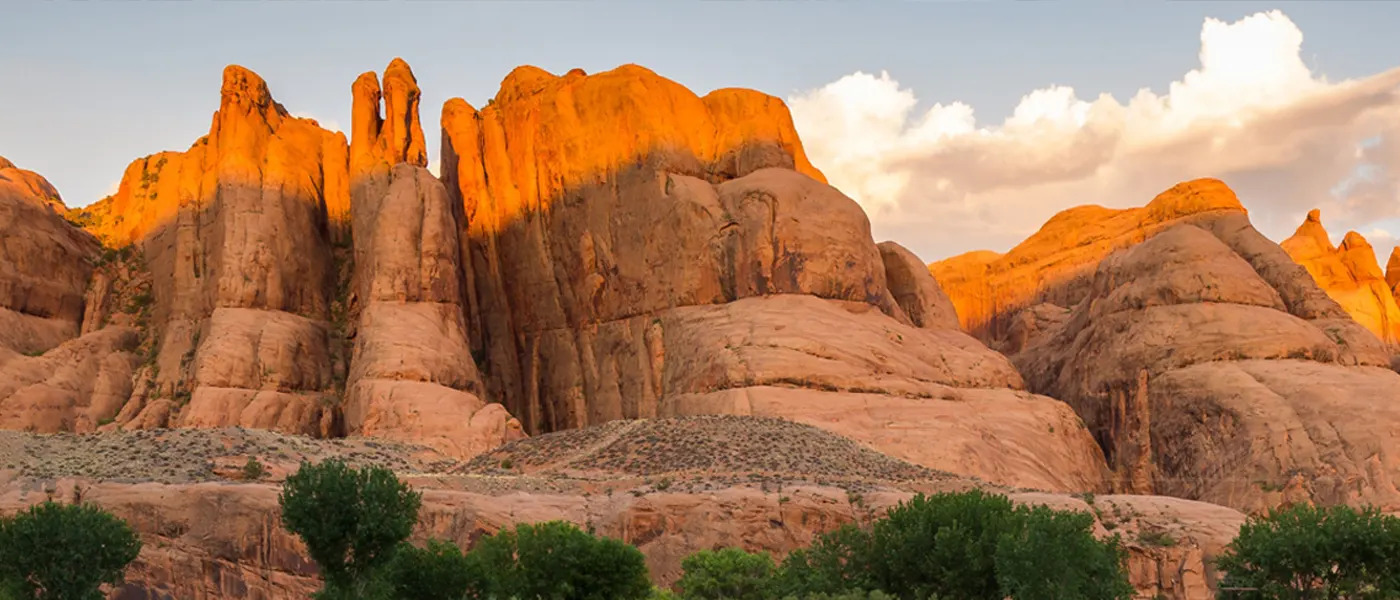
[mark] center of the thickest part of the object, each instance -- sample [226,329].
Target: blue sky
[90,86]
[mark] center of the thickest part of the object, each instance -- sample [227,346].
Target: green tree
[942,545]
[970,546]
[1054,556]
[728,574]
[558,561]
[351,520]
[838,561]
[438,571]
[1307,552]
[64,551]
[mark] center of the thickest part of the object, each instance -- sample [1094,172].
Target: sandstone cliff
[633,250]
[257,287]
[1349,274]
[1210,366]
[50,379]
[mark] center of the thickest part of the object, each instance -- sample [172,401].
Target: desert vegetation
[55,551]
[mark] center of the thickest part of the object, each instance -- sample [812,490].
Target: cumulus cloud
[1253,114]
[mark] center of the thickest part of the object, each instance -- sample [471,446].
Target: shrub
[351,520]
[557,560]
[728,574]
[1309,552]
[64,551]
[253,470]
[437,572]
[969,545]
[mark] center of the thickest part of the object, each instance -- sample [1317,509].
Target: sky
[958,126]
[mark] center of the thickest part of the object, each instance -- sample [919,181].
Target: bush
[64,551]
[558,561]
[728,574]
[253,470]
[970,545]
[1309,552]
[437,572]
[352,521]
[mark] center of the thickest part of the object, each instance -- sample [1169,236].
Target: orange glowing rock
[1056,264]
[1349,274]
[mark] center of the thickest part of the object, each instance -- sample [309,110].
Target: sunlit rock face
[635,250]
[1349,274]
[1057,263]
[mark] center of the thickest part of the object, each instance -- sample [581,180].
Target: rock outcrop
[1349,274]
[412,376]
[1057,263]
[268,311]
[233,232]
[50,379]
[45,264]
[633,250]
[1210,366]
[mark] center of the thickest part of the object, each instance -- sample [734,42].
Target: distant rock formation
[1349,274]
[1056,265]
[1210,366]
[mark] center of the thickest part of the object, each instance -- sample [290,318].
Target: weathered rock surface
[1349,274]
[44,265]
[634,250]
[915,290]
[1210,366]
[234,235]
[412,375]
[207,537]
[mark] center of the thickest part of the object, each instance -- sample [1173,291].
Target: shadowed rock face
[634,250]
[1349,274]
[1210,366]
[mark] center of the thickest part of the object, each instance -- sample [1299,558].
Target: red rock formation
[1056,264]
[44,265]
[1210,366]
[634,250]
[1392,269]
[28,184]
[233,232]
[1349,274]
[412,376]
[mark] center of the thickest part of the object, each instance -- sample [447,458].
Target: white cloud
[1286,139]
[433,167]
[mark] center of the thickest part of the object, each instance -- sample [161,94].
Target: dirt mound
[704,445]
